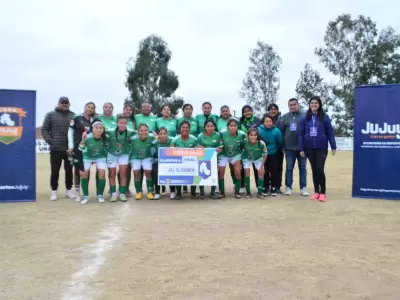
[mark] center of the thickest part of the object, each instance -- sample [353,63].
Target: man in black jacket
[55,133]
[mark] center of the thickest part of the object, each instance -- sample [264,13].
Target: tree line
[354,52]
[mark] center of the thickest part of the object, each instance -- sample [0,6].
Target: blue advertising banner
[376,161]
[17,146]
[187,166]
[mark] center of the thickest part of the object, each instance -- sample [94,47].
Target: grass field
[281,248]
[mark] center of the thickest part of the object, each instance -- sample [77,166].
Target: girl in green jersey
[109,121]
[184,140]
[187,116]
[201,119]
[254,153]
[167,121]
[94,151]
[163,141]
[224,117]
[141,158]
[119,148]
[210,139]
[232,139]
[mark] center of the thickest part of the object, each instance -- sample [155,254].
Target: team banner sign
[187,166]
[17,146]
[376,163]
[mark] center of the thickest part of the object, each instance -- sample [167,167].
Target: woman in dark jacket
[315,131]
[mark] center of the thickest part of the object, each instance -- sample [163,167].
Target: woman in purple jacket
[314,132]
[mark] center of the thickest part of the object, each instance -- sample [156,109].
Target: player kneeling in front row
[254,152]
[119,147]
[94,151]
[141,157]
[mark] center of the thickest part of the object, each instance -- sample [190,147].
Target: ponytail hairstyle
[258,134]
[320,111]
[233,121]
[222,107]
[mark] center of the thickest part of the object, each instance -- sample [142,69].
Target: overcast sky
[79,49]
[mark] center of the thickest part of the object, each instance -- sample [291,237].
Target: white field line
[95,256]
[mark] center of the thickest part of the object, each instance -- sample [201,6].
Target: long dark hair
[103,135]
[233,121]
[132,118]
[94,111]
[320,111]
[256,131]
[209,121]
[243,108]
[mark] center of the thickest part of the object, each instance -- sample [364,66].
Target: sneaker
[273,192]
[288,191]
[157,197]
[122,197]
[261,196]
[53,196]
[172,196]
[222,195]
[69,194]
[304,192]
[85,200]
[201,196]
[248,195]
[315,196]
[322,198]
[238,196]
[242,191]
[114,197]
[216,196]
[100,198]
[139,196]
[150,196]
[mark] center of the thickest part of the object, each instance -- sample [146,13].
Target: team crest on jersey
[11,127]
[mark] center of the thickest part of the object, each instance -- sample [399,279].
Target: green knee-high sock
[179,190]
[260,184]
[202,190]
[213,188]
[238,183]
[85,186]
[97,182]
[122,189]
[138,186]
[247,182]
[102,185]
[113,189]
[149,183]
[221,184]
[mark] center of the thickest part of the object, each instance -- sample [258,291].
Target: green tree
[356,54]
[148,77]
[261,83]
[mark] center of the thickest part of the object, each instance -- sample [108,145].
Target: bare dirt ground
[282,248]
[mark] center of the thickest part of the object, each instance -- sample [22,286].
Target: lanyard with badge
[313,128]
[293,125]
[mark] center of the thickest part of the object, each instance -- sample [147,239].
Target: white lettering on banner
[178,169]
[42,146]
[373,128]
[14,187]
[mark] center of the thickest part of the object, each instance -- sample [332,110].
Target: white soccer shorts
[120,160]
[145,163]
[248,162]
[101,163]
[223,160]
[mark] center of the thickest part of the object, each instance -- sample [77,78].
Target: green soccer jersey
[93,148]
[201,119]
[170,124]
[109,123]
[119,143]
[178,142]
[193,124]
[232,144]
[157,144]
[149,120]
[141,149]
[213,141]
[254,151]
[222,124]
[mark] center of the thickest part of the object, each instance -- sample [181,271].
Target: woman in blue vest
[315,131]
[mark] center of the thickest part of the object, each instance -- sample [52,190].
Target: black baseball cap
[63,99]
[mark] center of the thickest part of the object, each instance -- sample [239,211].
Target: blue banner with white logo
[17,146]
[376,163]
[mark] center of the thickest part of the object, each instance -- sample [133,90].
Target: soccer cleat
[322,198]
[261,196]
[238,196]
[315,196]
[53,196]
[248,195]
[304,192]
[157,197]
[85,200]
[122,198]
[172,196]
[114,197]
[288,191]
[201,196]
[100,198]
[150,196]
[69,194]
[139,196]
[216,196]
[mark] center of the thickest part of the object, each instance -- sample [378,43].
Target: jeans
[291,156]
[56,159]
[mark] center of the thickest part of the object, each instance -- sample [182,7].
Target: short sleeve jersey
[193,125]
[170,124]
[149,120]
[254,151]
[79,123]
[233,144]
[119,143]
[201,119]
[141,149]
[157,144]
[94,148]
[108,122]
[178,142]
[222,124]
[213,141]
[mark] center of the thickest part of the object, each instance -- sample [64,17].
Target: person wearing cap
[55,132]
